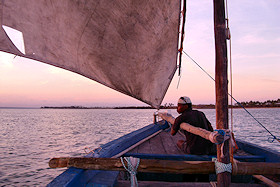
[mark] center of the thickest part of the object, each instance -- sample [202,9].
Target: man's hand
[167,117]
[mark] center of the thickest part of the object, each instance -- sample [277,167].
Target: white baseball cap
[184,100]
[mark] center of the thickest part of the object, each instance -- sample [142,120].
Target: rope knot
[132,165]
[225,135]
[221,167]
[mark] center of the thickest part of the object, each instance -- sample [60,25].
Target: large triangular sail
[128,45]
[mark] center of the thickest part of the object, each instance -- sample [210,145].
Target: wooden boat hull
[154,142]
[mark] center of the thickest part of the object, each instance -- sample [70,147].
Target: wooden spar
[146,165]
[266,180]
[223,179]
[260,177]
[167,117]
[165,166]
[217,138]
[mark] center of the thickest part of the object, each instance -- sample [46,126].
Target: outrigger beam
[165,166]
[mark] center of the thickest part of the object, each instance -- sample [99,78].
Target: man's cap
[184,100]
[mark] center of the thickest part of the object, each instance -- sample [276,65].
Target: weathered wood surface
[169,143]
[145,147]
[216,138]
[122,183]
[166,166]
[157,146]
[266,180]
[146,165]
[163,143]
[221,85]
[137,144]
[263,178]
[167,117]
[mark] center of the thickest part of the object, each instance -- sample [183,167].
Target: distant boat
[132,47]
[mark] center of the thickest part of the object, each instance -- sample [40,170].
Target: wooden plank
[176,138]
[146,165]
[122,183]
[136,145]
[166,166]
[134,150]
[104,178]
[246,158]
[144,147]
[255,168]
[169,144]
[266,180]
[170,157]
[115,147]
[275,178]
[269,154]
[157,145]
[249,158]
[263,178]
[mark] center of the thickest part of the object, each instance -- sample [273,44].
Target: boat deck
[163,143]
[163,146]
[155,142]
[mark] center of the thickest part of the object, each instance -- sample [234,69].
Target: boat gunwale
[73,175]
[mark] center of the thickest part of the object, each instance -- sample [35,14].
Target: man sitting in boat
[193,144]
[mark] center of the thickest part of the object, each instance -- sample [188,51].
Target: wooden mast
[223,179]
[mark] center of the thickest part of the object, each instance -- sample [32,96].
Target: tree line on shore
[268,103]
[248,104]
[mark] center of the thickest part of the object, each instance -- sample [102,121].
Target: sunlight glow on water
[31,137]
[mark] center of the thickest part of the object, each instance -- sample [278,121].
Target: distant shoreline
[211,106]
[148,107]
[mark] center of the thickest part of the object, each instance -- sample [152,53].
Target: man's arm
[168,117]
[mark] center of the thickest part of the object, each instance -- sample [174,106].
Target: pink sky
[255,31]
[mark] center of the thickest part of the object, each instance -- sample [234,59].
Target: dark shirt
[194,144]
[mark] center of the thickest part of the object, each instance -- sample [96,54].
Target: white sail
[128,45]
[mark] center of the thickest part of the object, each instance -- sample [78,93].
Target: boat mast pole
[223,179]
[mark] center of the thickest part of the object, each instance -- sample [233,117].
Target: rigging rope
[182,34]
[269,139]
[179,81]
[132,165]
[230,61]
[228,37]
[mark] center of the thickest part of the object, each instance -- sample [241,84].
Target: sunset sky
[255,31]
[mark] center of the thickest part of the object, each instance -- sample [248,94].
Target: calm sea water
[31,137]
